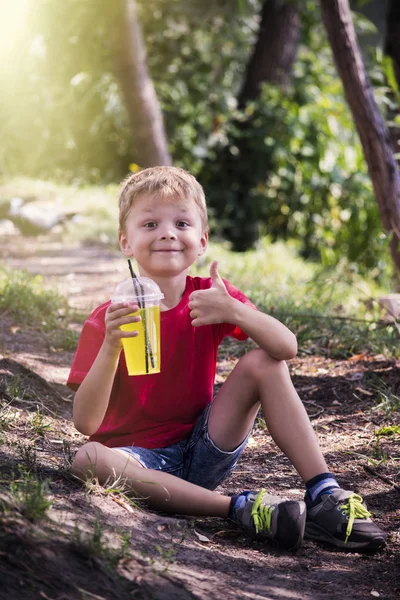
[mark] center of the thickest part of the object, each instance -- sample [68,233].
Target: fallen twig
[371,471]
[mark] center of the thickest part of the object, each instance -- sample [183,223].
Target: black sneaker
[342,519]
[271,517]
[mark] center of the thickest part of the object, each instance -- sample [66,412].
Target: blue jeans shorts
[196,459]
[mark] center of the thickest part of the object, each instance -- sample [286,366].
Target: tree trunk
[271,62]
[130,69]
[275,49]
[369,122]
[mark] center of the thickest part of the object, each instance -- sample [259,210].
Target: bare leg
[162,491]
[259,378]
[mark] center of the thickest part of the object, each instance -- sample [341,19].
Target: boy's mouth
[167,251]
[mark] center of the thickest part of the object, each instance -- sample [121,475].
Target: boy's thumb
[215,276]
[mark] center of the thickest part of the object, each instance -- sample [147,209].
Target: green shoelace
[355,510]
[261,513]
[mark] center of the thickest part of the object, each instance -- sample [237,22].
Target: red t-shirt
[155,411]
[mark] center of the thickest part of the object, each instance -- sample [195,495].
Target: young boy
[168,423]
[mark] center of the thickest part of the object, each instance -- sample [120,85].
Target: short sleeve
[89,344]
[229,328]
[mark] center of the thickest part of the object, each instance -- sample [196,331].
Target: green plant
[16,387]
[388,399]
[27,453]
[28,495]
[7,416]
[94,545]
[39,426]
[387,430]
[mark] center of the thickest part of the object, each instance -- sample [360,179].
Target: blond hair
[167,183]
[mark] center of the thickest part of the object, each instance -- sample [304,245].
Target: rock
[32,218]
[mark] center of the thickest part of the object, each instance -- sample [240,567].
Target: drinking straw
[142,304]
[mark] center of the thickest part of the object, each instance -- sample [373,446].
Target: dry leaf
[125,505]
[357,357]
[201,537]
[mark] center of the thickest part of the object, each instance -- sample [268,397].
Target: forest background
[286,164]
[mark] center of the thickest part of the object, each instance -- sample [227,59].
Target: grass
[29,302]
[388,398]
[7,418]
[38,423]
[26,495]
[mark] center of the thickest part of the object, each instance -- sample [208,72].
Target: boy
[168,422]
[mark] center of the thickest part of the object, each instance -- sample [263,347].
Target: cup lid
[139,288]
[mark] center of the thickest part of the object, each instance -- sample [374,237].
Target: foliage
[289,165]
[195,88]
[308,179]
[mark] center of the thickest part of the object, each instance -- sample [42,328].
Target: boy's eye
[150,224]
[182,224]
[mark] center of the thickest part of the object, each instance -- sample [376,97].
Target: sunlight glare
[13,20]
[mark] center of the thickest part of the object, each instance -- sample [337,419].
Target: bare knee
[96,460]
[87,459]
[258,364]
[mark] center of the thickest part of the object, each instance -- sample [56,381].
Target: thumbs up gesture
[212,305]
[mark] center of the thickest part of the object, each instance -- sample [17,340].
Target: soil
[96,545]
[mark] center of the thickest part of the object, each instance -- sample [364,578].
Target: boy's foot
[271,517]
[340,518]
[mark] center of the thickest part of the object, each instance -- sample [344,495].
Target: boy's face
[164,236]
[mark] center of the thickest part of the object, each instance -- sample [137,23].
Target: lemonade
[142,353]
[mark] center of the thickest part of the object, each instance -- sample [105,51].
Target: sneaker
[342,519]
[271,517]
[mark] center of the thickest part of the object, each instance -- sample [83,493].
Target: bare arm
[92,398]
[269,333]
[215,305]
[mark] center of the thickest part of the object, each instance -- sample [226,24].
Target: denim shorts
[196,459]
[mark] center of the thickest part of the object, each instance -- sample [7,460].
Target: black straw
[133,274]
[147,346]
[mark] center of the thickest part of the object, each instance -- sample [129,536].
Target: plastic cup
[142,353]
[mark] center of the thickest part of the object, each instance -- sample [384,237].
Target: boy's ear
[203,243]
[124,244]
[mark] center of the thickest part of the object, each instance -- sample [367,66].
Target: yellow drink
[142,353]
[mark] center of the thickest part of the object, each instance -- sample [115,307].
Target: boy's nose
[168,235]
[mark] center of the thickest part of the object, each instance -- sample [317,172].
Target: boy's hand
[117,315]
[212,305]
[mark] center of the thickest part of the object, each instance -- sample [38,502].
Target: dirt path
[170,557]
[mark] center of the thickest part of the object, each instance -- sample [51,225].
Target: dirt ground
[163,557]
